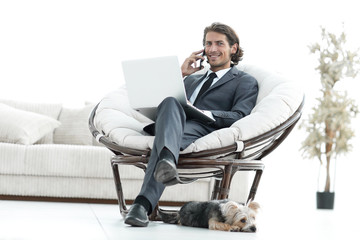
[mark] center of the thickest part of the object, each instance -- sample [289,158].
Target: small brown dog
[223,215]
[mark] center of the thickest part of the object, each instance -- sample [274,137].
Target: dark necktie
[206,85]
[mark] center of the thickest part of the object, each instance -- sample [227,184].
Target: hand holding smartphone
[190,64]
[202,60]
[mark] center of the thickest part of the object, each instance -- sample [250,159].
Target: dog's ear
[254,206]
[230,210]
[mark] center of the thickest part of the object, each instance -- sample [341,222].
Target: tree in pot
[328,126]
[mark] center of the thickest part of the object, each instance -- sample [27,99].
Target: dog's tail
[172,218]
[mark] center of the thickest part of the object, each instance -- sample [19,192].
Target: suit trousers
[174,132]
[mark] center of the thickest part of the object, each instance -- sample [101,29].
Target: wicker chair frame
[224,167]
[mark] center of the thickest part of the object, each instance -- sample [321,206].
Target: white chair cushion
[278,99]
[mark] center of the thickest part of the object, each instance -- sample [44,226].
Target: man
[224,92]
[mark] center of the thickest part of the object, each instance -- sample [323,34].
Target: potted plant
[328,126]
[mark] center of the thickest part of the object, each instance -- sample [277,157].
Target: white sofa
[47,151]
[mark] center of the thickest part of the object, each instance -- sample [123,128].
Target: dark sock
[166,153]
[144,202]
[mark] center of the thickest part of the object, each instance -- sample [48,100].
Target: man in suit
[224,93]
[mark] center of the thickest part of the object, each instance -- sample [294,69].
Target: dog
[223,215]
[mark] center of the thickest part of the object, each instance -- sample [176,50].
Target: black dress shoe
[137,216]
[166,172]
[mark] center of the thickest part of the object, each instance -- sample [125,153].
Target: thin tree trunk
[330,136]
[328,179]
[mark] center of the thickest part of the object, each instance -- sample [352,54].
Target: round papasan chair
[219,154]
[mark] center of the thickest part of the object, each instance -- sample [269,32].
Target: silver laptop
[150,81]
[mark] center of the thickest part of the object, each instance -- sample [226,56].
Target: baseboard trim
[78,200]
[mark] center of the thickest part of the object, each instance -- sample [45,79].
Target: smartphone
[201,61]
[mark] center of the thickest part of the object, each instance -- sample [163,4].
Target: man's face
[218,51]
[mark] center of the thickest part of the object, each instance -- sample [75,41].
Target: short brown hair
[231,37]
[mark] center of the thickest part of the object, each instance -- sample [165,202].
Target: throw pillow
[23,127]
[74,127]
[48,109]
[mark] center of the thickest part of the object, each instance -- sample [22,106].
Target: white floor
[286,195]
[44,220]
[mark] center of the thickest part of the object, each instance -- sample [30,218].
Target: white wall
[70,51]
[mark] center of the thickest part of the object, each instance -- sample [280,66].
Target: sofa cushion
[23,127]
[48,109]
[74,126]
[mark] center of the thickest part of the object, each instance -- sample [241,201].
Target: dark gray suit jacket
[229,99]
